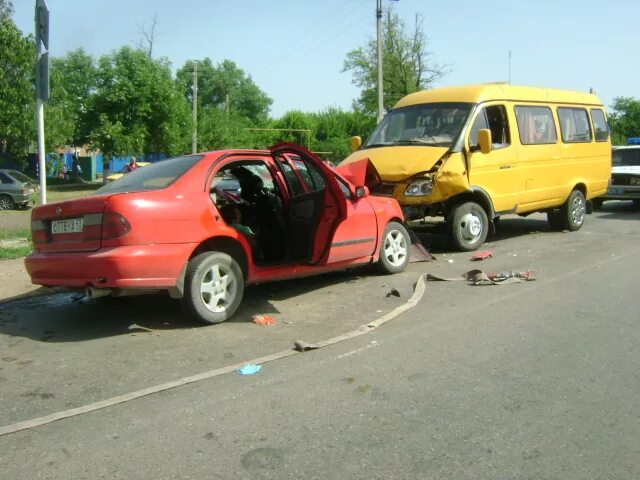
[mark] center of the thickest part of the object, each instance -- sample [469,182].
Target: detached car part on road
[16,189]
[169,227]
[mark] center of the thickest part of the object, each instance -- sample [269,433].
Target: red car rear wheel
[214,286]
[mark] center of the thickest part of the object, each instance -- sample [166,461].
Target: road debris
[417,252]
[478,277]
[393,293]
[482,256]
[264,320]
[249,369]
[302,346]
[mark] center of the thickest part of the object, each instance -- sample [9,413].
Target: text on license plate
[616,191]
[68,225]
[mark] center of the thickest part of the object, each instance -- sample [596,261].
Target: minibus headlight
[419,188]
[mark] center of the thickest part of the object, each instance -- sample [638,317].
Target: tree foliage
[6,10]
[624,119]
[73,80]
[17,109]
[225,87]
[136,107]
[407,64]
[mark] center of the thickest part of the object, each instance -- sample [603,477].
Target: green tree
[225,87]
[17,106]
[6,10]
[624,119]
[136,107]
[407,64]
[73,81]
[334,129]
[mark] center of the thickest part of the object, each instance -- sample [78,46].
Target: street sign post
[42,86]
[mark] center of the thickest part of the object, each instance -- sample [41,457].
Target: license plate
[68,225]
[616,191]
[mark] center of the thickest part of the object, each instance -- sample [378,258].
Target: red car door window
[316,209]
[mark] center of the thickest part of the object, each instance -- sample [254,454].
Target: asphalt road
[538,380]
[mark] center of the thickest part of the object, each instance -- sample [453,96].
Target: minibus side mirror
[484,139]
[356,142]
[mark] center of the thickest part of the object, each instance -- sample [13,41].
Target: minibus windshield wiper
[380,144]
[421,141]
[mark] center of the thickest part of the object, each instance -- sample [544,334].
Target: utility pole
[194,144]
[380,91]
[42,87]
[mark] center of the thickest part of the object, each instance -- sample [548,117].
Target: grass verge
[15,244]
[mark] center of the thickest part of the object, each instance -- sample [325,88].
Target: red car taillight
[39,231]
[114,225]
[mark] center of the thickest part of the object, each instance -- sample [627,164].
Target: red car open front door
[316,206]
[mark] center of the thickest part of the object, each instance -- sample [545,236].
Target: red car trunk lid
[72,226]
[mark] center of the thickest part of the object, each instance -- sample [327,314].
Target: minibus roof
[498,91]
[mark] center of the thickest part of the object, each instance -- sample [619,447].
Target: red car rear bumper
[135,266]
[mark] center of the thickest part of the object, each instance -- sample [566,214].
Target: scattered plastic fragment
[264,320]
[249,369]
[450,260]
[393,293]
[501,276]
[302,346]
[482,256]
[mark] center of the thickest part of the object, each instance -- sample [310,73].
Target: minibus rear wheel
[468,226]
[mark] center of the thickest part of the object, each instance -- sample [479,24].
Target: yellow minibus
[474,153]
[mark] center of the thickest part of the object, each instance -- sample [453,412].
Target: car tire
[468,226]
[6,202]
[213,289]
[395,249]
[571,214]
[597,203]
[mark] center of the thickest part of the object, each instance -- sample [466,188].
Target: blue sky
[294,49]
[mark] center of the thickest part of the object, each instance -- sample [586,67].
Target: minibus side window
[600,125]
[536,125]
[574,125]
[495,119]
[479,123]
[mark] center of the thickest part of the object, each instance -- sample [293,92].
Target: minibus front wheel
[468,226]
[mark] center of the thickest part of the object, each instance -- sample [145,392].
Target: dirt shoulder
[14,280]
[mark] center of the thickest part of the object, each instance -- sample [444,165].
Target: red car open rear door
[316,205]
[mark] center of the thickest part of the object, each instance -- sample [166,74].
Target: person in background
[133,165]
[76,169]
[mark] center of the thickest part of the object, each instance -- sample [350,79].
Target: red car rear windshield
[154,177]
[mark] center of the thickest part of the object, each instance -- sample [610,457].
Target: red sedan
[174,226]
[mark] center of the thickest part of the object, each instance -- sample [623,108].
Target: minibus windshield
[431,124]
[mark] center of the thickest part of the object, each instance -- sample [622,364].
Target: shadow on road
[71,317]
[434,235]
[619,210]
